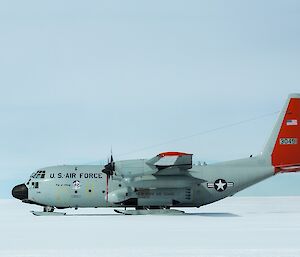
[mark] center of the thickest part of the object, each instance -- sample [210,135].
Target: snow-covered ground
[236,226]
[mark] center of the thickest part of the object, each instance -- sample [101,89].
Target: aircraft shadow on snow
[203,214]
[214,214]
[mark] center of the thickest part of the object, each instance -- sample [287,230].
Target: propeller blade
[107,189]
[109,169]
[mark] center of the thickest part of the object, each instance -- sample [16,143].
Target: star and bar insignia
[220,185]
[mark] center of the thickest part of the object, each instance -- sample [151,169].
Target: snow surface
[236,226]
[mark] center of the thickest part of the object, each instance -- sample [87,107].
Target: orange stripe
[173,154]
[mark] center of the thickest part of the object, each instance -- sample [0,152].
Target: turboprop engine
[119,195]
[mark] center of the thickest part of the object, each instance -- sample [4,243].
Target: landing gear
[48,209]
[150,210]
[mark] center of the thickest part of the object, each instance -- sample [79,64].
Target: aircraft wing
[167,163]
[171,159]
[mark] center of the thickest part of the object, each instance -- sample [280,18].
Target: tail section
[284,144]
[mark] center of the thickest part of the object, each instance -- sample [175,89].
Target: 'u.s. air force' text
[76,175]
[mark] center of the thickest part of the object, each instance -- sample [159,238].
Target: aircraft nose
[20,192]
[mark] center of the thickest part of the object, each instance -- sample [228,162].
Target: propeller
[109,169]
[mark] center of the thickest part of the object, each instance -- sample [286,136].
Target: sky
[81,77]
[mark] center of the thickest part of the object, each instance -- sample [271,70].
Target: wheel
[48,208]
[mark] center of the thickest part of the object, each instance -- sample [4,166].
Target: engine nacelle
[133,168]
[119,195]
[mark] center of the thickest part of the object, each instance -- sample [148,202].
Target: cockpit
[40,174]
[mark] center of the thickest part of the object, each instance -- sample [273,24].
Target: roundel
[220,185]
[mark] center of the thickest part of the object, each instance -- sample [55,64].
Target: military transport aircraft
[154,186]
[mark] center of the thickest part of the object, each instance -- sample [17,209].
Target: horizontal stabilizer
[287,168]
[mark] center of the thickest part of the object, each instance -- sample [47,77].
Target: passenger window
[36,185]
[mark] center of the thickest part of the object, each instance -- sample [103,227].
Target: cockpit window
[34,184]
[38,174]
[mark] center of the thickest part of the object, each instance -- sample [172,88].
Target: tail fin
[284,144]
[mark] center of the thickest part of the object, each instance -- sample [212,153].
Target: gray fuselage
[85,185]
